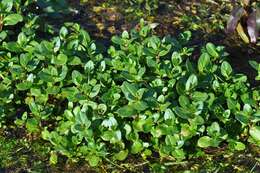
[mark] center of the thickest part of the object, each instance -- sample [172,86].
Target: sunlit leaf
[13,19]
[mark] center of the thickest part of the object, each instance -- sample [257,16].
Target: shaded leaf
[126,111]
[254,64]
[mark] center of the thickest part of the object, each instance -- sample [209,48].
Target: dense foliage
[141,96]
[256,66]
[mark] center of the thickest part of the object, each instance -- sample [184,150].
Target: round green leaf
[13,19]
[205,142]
[121,155]
[255,132]
[126,111]
[136,147]
[211,49]
[61,59]
[239,146]
[203,62]
[93,160]
[226,69]
[191,83]
[76,77]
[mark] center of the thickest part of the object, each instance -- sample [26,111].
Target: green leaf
[93,160]
[121,155]
[126,111]
[112,136]
[239,146]
[136,147]
[255,133]
[213,129]
[74,61]
[110,122]
[32,125]
[150,62]
[184,101]
[76,77]
[89,66]
[3,35]
[233,104]
[13,19]
[95,91]
[45,134]
[53,158]
[179,154]
[117,40]
[102,108]
[191,83]
[143,125]
[7,5]
[63,32]
[189,66]
[61,59]
[203,63]
[211,49]
[165,52]
[199,96]
[69,91]
[205,142]
[176,59]
[168,114]
[129,90]
[22,39]
[24,85]
[125,35]
[226,69]
[243,118]
[12,47]
[183,113]
[140,105]
[254,64]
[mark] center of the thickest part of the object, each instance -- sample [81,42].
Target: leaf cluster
[144,95]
